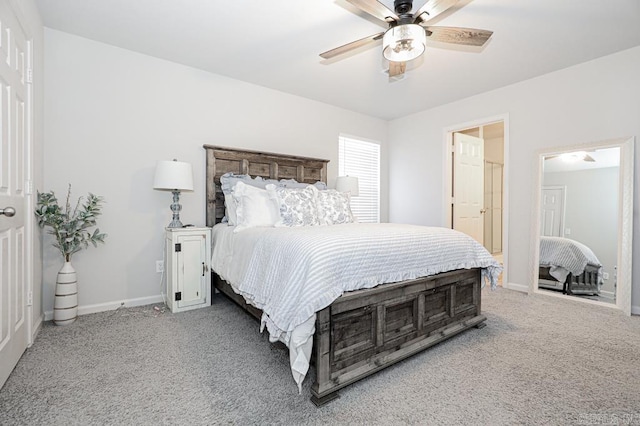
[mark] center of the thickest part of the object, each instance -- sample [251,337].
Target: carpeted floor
[540,360]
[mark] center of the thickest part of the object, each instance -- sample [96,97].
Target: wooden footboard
[367,330]
[585,283]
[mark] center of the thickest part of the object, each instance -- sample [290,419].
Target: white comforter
[291,273]
[564,256]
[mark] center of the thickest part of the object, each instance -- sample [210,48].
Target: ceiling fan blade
[375,8]
[351,46]
[457,35]
[397,68]
[431,9]
[570,155]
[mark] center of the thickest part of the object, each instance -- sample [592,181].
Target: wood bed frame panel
[366,330]
[585,283]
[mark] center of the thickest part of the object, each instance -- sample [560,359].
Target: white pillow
[334,207]
[297,205]
[254,207]
[229,180]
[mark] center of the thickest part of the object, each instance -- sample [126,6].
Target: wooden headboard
[221,160]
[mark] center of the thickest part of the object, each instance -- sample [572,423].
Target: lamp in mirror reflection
[174,176]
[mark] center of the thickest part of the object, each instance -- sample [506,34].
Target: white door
[468,185]
[552,211]
[14,57]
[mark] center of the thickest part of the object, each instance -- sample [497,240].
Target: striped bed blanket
[291,273]
[564,256]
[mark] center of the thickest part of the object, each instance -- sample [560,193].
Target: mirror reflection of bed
[583,196]
[579,223]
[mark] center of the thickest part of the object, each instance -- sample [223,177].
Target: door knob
[8,211]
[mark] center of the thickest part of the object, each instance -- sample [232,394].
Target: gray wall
[111,114]
[591,212]
[593,101]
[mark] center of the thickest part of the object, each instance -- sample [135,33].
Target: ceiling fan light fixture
[572,157]
[404,43]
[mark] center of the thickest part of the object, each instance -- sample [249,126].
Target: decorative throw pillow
[297,205]
[334,207]
[229,180]
[254,207]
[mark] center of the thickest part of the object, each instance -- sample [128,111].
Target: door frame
[448,183]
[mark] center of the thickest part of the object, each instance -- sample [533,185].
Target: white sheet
[291,273]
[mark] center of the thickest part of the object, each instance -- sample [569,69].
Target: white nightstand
[188,278]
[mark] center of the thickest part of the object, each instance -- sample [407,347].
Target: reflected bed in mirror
[581,243]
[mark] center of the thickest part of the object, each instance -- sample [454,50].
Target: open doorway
[476,189]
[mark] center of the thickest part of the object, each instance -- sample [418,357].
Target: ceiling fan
[406,37]
[572,157]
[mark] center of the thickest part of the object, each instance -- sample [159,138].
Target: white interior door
[552,211]
[14,57]
[468,185]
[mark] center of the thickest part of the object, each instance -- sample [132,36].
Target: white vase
[65,306]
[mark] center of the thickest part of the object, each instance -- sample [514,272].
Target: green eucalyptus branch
[70,228]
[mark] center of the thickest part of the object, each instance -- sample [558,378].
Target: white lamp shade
[173,175]
[348,184]
[404,42]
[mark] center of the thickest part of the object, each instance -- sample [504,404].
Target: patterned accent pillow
[297,205]
[334,207]
[229,180]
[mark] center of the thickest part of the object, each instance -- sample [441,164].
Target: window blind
[362,159]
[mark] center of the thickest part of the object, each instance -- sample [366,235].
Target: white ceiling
[276,43]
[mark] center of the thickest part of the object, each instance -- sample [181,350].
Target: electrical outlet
[159,266]
[605,276]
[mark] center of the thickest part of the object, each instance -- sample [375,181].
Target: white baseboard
[35,329]
[517,287]
[607,294]
[110,306]
[635,310]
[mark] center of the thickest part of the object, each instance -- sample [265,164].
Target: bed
[569,266]
[365,330]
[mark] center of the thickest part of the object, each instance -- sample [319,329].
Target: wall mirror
[582,240]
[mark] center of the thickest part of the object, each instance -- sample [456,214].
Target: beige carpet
[540,360]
